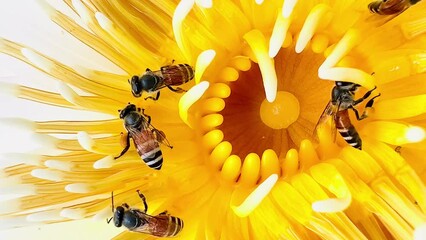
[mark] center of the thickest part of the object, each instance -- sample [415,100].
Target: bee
[136,220]
[167,76]
[342,99]
[145,136]
[390,7]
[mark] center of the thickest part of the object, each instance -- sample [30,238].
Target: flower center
[280,113]
[252,124]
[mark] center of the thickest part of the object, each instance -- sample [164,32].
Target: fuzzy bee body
[146,137]
[167,76]
[390,7]
[137,220]
[342,99]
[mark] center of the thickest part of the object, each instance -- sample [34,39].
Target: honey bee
[167,76]
[342,99]
[145,136]
[390,7]
[136,220]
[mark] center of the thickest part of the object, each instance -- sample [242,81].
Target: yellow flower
[245,162]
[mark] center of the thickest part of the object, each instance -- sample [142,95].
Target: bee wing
[329,111]
[142,140]
[156,225]
[159,135]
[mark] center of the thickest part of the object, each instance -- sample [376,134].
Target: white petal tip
[47,174]
[106,162]
[85,140]
[256,197]
[204,3]
[331,205]
[18,123]
[420,232]
[77,188]
[73,213]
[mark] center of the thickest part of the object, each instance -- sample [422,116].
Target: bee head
[118,216]
[136,86]
[129,108]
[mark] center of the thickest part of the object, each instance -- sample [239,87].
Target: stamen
[18,123]
[219,154]
[269,164]
[258,45]
[393,133]
[12,159]
[220,90]
[102,214]
[89,144]
[212,139]
[307,154]
[228,74]
[279,34]
[81,10]
[21,189]
[37,60]
[331,205]
[59,165]
[319,43]
[348,41]
[328,176]
[314,19]
[106,162]
[290,164]
[399,108]
[288,7]
[347,75]
[51,215]
[72,213]
[212,105]
[204,3]
[9,89]
[55,176]
[211,121]
[256,197]
[203,61]
[280,113]
[241,63]
[132,48]
[78,188]
[231,168]
[250,171]
[420,232]
[182,10]
[415,134]
[189,98]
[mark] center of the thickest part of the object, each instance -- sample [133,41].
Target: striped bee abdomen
[174,227]
[347,130]
[153,158]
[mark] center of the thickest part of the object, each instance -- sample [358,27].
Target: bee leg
[366,95]
[125,148]
[143,200]
[178,89]
[146,115]
[154,98]
[367,106]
